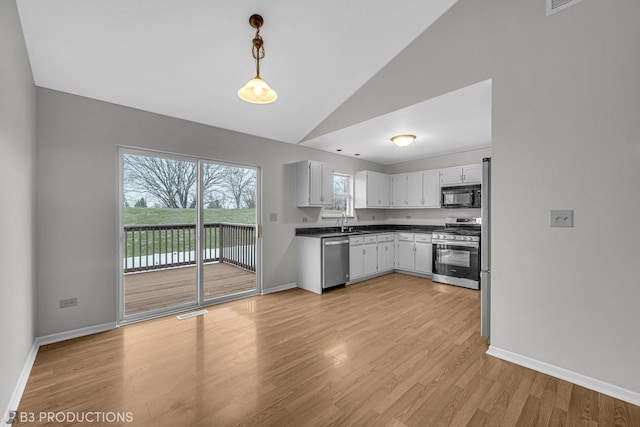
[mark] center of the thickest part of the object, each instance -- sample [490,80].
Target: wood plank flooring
[392,351]
[165,288]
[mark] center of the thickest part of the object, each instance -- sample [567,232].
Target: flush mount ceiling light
[403,140]
[257,91]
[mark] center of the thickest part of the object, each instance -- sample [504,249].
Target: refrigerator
[485,251]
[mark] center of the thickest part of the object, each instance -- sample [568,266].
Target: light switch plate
[561,218]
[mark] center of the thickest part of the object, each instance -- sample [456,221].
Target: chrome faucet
[343,221]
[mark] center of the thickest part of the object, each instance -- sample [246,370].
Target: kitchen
[329,257]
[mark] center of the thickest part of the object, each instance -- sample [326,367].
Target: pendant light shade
[403,141]
[257,91]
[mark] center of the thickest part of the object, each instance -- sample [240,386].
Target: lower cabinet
[405,255]
[370,256]
[414,253]
[423,254]
[356,257]
[386,252]
[382,253]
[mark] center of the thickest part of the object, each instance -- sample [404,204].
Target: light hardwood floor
[392,351]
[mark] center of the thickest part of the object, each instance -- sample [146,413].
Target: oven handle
[456,243]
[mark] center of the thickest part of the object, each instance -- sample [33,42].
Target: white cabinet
[471,174]
[314,184]
[371,190]
[370,255]
[414,252]
[405,256]
[363,260]
[416,190]
[423,253]
[399,190]
[431,189]
[386,252]
[356,258]
[406,190]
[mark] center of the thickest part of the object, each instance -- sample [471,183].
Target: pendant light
[403,141]
[257,91]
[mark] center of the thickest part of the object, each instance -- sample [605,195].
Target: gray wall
[76,184]
[565,136]
[17,146]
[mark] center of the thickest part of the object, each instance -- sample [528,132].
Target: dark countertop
[320,232]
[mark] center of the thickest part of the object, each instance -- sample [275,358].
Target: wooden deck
[165,288]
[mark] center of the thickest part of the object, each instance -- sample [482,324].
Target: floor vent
[554,6]
[192,314]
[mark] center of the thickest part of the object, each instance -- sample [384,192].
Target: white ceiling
[451,123]
[187,59]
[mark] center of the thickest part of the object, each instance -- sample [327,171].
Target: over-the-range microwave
[462,196]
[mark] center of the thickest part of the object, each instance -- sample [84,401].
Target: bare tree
[238,182]
[170,183]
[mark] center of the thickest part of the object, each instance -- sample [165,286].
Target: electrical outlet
[561,218]
[273,217]
[69,302]
[305,219]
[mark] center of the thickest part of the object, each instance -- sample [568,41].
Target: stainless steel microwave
[463,196]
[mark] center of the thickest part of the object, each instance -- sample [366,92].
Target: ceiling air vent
[554,6]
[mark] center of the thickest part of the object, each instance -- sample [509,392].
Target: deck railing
[154,247]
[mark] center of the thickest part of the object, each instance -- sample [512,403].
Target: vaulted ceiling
[187,59]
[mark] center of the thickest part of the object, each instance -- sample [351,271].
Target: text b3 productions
[87,417]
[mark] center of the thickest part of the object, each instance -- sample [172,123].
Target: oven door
[456,263]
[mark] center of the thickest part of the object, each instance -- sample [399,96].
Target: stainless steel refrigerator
[485,251]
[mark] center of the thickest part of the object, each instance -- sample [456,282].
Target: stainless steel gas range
[456,252]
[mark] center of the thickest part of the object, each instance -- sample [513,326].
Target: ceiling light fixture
[403,141]
[257,91]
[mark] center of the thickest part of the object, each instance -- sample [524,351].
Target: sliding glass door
[229,230]
[188,233]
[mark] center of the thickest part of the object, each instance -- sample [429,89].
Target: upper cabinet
[471,174]
[314,184]
[371,190]
[416,190]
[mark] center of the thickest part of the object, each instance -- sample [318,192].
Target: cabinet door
[385,256]
[451,176]
[405,256]
[414,189]
[327,185]
[382,182]
[372,190]
[315,183]
[370,258]
[423,257]
[431,189]
[356,264]
[399,190]
[472,174]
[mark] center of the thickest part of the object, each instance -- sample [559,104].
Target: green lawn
[156,241]
[152,216]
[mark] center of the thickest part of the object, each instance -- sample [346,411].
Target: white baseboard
[14,402]
[567,375]
[16,397]
[279,288]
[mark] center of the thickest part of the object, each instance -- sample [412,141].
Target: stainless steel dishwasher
[335,261]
